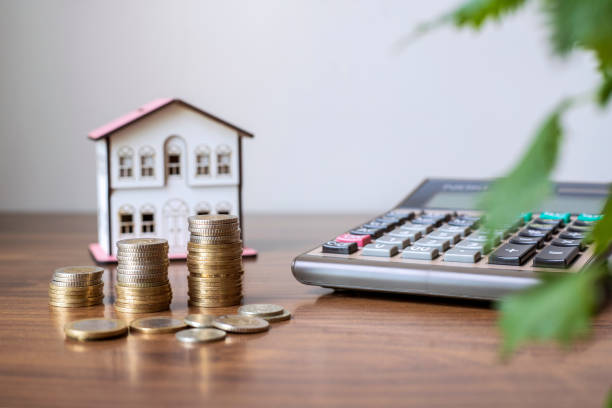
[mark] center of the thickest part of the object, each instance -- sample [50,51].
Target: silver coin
[261,309]
[142,243]
[200,320]
[241,324]
[200,335]
[213,219]
[277,318]
[79,272]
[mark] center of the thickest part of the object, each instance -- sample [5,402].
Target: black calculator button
[556,257]
[574,228]
[543,227]
[550,221]
[580,223]
[529,232]
[374,233]
[385,226]
[568,243]
[512,254]
[519,240]
[571,235]
[335,247]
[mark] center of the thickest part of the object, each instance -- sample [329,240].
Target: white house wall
[102,191]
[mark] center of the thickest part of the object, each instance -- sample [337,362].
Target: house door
[175,214]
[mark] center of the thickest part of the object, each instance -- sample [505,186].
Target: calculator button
[529,232]
[549,221]
[377,249]
[400,233]
[374,233]
[423,229]
[378,225]
[420,252]
[571,235]
[565,217]
[575,228]
[402,216]
[360,240]
[335,247]
[483,247]
[589,217]
[482,238]
[462,222]
[568,243]
[392,221]
[462,255]
[440,245]
[426,221]
[400,242]
[463,231]
[580,223]
[543,227]
[556,257]
[453,237]
[511,254]
[519,240]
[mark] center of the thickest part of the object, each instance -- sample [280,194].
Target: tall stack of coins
[76,286]
[214,261]
[142,276]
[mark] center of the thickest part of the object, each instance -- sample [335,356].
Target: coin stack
[76,286]
[142,276]
[214,261]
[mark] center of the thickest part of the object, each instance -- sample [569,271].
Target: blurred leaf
[475,12]
[602,231]
[605,90]
[581,23]
[528,183]
[608,403]
[559,309]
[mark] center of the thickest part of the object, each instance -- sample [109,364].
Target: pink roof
[147,109]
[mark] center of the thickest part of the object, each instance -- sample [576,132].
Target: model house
[160,164]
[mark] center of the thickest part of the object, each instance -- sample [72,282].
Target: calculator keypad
[549,240]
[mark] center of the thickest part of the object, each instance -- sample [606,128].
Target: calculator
[432,243]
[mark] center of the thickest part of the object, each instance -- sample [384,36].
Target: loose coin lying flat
[200,335]
[157,325]
[200,320]
[95,329]
[278,318]
[261,309]
[241,324]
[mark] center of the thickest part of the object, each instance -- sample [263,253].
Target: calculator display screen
[558,203]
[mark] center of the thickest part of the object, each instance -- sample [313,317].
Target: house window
[203,208]
[147,218]
[223,207]
[147,162]
[126,162]
[173,153]
[126,220]
[202,161]
[224,155]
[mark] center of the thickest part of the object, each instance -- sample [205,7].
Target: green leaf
[559,309]
[528,183]
[475,12]
[581,23]
[605,91]
[602,231]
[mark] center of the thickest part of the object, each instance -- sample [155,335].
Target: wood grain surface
[340,349]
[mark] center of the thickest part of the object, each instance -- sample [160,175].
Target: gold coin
[157,325]
[142,278]
[141,243]
[67,305]
[95,329]
[142,291]
[73,284]
[215,303]
[241,324]
[124,302]
[214,247]
[213,219]
[278,318]
[75,289]
[215,274]
[154,297]
[230,239]
[64,299]
[135,310]
[83,272]
[261,309]
[143,284]
[199,320]
[206,335]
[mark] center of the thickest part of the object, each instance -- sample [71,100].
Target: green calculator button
[589,217]
[556,216]
[527,216]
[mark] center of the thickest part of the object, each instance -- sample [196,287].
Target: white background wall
[341,122]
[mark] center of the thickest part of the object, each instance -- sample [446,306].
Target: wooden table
[338,350]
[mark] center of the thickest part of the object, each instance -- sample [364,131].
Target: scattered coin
[277,318]
[200,335]
[241,324]
[95,329]
[261,309]
[200,320]
[157,325]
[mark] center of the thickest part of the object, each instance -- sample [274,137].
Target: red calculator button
[361,240]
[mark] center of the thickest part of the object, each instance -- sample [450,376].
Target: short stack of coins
[214,261]
[76,286]
[142,276]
